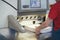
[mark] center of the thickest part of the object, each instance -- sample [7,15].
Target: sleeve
[53,12]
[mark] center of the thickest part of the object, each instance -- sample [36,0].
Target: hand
[37,30]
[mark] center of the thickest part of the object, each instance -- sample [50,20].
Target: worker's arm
[43,25]
[46,23]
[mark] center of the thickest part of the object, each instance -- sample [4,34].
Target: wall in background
[6,10]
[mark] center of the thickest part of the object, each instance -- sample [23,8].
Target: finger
[37,32]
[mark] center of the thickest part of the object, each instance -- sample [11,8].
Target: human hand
[37,30]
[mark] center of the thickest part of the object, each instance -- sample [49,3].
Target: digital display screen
[32,4]
[35,3]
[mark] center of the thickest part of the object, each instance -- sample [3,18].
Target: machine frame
[33,10]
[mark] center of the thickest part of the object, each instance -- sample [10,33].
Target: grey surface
[14,24]
[7,34]
[44,36]
[2,37]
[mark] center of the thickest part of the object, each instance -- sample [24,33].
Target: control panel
[31,21]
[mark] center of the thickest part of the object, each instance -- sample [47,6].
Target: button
[39,16]
[31,17]
[33,22]
[21,18]
[34,16]
[26,17]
